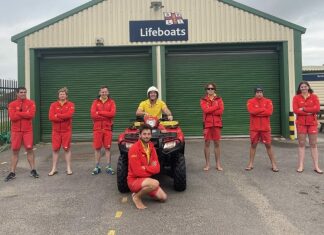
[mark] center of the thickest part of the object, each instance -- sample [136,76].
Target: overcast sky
[17,16]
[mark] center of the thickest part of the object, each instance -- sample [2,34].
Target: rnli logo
[173,18]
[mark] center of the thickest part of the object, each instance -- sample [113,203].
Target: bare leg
[161,195]
[67,154]
[252,155]
[314,151]
[97,156]
[31,158]
[271,157]
[107,153]
[55,160]
[14,160]
[148,186]
[301,151]
[207,155]
[217,155]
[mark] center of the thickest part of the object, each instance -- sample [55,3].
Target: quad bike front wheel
[122,171]
[179,173]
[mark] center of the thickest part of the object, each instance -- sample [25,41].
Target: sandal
[249,168]
[54,173]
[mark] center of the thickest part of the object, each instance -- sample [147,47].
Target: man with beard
[142,164]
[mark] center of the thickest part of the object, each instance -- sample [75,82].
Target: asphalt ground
[230,202]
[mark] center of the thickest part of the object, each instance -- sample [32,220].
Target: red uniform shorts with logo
[61,139]
[212,133]
[260,136]
[136,185]
[19,137]
[306,129]
[102,138]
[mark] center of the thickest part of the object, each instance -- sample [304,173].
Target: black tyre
[179,174]
[122,171]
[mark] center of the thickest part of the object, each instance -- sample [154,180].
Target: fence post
[7,94]
[291,126]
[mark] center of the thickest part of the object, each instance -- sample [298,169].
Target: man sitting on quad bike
[167,138]
[153,106]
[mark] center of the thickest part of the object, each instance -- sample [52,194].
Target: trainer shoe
[96,170]
[34,174]
[110,170]
[11,176]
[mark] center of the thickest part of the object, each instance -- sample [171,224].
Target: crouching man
[142,164]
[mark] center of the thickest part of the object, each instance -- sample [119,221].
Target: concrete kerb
[45,149]
[283,142]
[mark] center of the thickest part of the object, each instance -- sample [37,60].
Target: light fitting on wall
[99,41]
[156,5]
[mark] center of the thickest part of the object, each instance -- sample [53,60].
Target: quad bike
[169,143]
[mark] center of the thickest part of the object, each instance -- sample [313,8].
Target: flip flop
[54,173]
[275,169]
[206,168]
[249,168]
[300,171]
[318,172]
[69,173]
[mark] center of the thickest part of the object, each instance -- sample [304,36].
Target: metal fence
[7,94]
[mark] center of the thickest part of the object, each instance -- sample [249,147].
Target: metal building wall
[318,87]
[210,21]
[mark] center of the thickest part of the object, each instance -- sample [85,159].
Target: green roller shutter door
[127,77]
[235,74]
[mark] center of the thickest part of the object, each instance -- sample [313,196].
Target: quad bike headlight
[128,145]
[169,145]
[151,122]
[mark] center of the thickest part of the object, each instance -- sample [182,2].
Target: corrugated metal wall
[318,87]
[210,21]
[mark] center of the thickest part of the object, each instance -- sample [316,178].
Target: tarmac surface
[230,202]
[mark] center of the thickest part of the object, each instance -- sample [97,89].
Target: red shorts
[102,138]
[61,139]
[136,185]
[260,136]
[17,137]
[303,129]
[212,133]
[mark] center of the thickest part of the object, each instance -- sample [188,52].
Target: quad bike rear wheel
[179,173]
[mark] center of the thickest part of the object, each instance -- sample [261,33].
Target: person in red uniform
[306,106]
[213,109]
[260,109]
[103,111]
[60,114]
[21,114]
[142,164]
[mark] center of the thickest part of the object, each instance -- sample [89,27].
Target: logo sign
[173,18]
[313,77]
[173,28]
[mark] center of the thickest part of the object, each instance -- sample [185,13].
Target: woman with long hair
[306,106]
